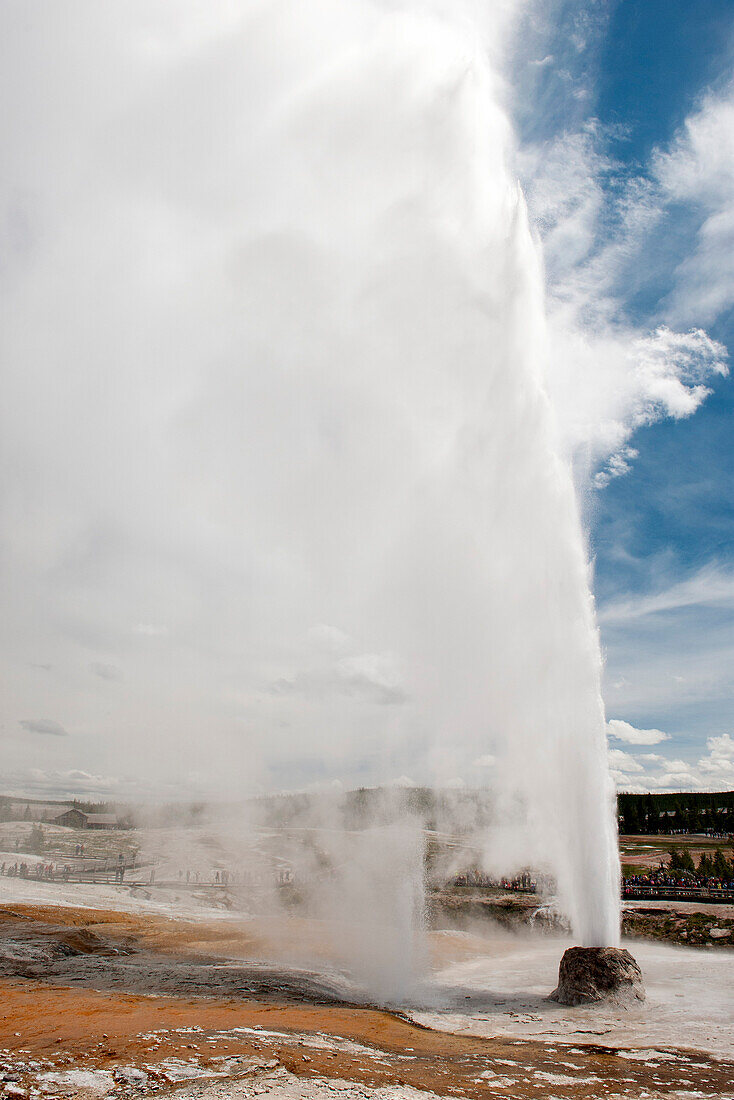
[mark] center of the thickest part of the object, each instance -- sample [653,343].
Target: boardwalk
[680,893]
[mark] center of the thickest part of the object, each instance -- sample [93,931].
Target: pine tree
[686,861]
[721,866]
[36,841]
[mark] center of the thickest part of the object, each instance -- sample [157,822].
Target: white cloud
[623,731]
[718,765]
[617,465]
[699,164]
[678,767]
[608,378]
[672,368]
[678,775]
[654,772]
[698,169]
[623,762]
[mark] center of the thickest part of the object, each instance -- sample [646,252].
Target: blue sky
[646,89]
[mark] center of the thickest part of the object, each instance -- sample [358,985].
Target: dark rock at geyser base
[589,974]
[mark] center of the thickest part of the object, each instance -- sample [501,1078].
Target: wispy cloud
[713,585]
[45,726]
[669,652]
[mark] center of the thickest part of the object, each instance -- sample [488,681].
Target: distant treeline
[681,812]
[355,809]
[366,806]
[444,810]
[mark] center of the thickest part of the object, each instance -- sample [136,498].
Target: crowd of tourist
[714,873]
[51,872]
[662,880]
[47,871]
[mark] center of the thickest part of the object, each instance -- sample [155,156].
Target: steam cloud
[285,411]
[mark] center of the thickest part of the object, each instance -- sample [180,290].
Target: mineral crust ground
[65,1038]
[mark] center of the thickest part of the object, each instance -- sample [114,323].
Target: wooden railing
[681,893]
